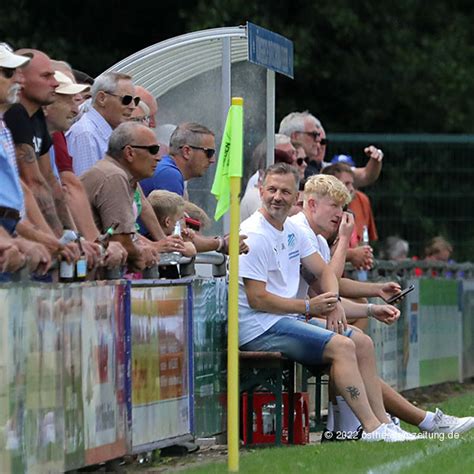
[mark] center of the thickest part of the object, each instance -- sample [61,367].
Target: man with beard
[271,315]
[322,217]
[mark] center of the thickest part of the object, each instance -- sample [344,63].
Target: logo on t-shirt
[37,141]
[291,240]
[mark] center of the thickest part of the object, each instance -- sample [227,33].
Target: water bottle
[172,258]
[362,274]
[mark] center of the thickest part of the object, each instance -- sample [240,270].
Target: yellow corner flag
[229,164]
[226,188]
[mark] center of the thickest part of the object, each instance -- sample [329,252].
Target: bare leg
[340,352]
[400,407]
[368,371]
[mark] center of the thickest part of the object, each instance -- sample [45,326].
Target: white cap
[67,86]
[9,59]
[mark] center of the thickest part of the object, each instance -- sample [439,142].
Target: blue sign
[270,50]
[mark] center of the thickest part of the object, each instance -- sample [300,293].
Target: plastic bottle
[362,274]
[172,258]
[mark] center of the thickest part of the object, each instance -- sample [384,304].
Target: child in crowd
[169,209]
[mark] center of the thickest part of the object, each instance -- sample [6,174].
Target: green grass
[424,456]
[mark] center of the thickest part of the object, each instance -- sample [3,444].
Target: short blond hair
[320,185]
[165,203]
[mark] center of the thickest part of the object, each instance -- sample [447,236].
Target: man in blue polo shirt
[192,151]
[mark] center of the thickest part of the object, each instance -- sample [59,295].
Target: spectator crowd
[84,178]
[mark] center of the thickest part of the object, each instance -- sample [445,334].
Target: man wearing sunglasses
[111,185]
[113,102]
[307,129]
[192,151]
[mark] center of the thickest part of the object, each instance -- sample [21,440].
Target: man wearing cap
[14,252]
[59,117]
[308,130]
[113,102]
[32,140]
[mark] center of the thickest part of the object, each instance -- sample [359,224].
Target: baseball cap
[67,86]
[347,159]
[9,59]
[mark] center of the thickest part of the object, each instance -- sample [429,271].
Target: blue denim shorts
[296,339]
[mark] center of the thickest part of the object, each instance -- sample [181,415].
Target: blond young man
[322,216]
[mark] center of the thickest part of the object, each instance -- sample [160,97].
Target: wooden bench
[273,372]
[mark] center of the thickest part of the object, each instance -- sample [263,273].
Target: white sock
[330,422]
[427,423]
[347,419]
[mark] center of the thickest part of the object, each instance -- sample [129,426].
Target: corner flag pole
[226,188]
[233,321]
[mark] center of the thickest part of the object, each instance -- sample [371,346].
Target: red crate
[264,418]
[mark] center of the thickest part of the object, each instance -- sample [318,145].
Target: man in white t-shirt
[322,217]
[270,312]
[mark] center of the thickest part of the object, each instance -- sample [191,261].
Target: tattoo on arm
[48,208]
[354,392]
[24,154]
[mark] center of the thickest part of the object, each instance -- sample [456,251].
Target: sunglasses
[8,72]
[315,135]
[300,161]
[210,152]
[152,149]
[126,99]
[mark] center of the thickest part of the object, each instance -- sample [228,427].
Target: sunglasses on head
[126,99]
[8,72]
[152,149]
[210,152]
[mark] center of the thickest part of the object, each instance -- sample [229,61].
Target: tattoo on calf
[354,392]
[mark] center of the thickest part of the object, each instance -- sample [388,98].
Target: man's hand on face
[346,225]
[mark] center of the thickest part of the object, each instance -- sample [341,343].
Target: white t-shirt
[318,241]
[274,258]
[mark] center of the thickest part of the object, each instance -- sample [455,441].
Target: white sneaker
[450,424]
[385,433]
[409,436]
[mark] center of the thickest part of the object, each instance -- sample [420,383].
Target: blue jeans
[296,339]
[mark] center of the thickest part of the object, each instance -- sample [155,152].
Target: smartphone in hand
[401,295]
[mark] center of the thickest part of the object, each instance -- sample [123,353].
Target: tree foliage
[360,65]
